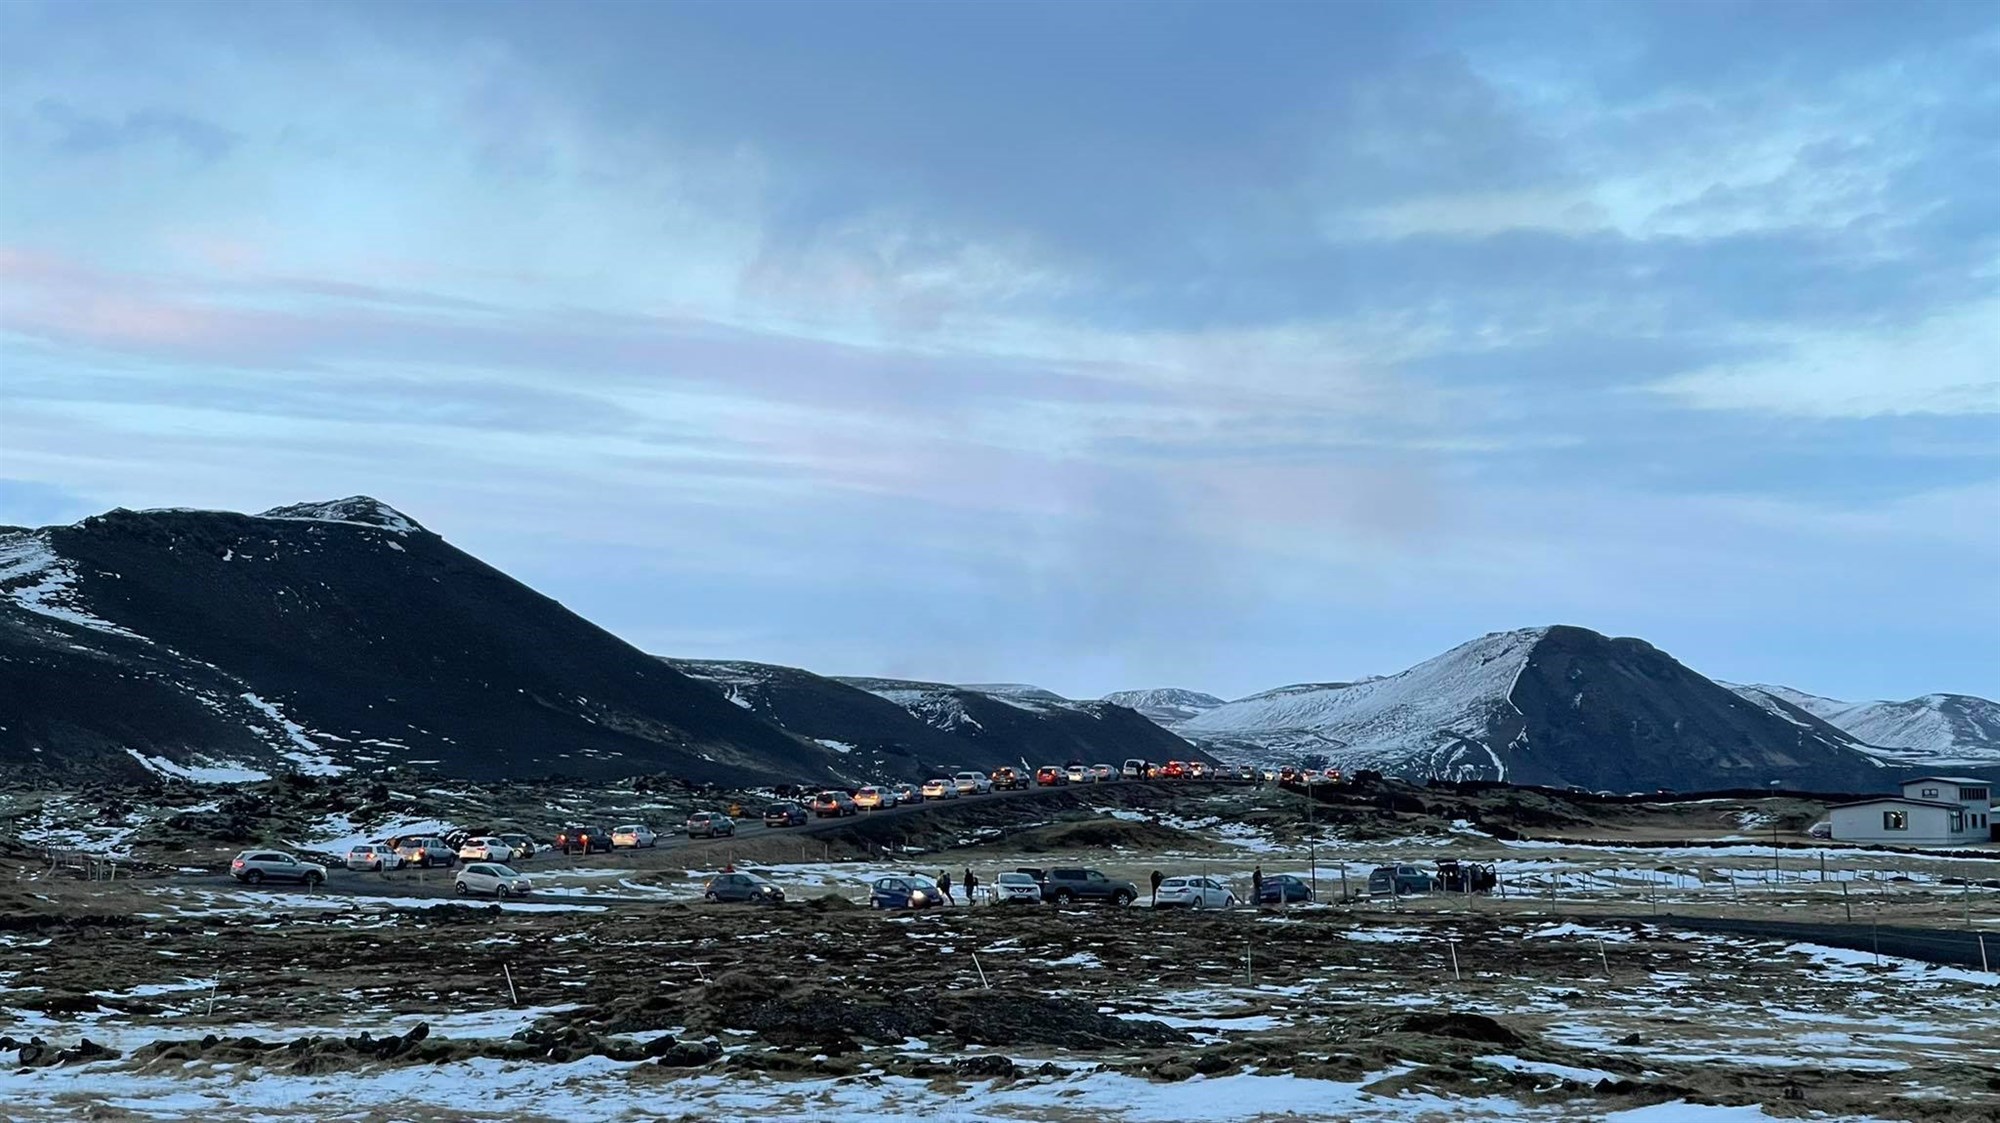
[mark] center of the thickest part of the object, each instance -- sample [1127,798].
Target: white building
[1932,811]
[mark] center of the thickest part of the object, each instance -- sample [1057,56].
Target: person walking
[1157,878]
[1257,885]
[944,886]
[971,884]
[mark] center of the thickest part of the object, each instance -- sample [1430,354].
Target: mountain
[1032,726]
[1558,705]
[1934,731]
[326,636]
[1166,705]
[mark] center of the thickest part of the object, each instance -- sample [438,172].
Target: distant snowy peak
[1935,729]
[1015,691]
[1167,705]
[361,510]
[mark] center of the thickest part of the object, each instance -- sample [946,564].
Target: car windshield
[1016,879]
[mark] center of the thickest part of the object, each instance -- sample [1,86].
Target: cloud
[1948,364]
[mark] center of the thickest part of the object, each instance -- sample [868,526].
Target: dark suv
[583,840]
[784,815]
[1061,886]
[1007,780]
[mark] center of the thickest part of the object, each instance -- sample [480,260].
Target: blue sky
[1096,345]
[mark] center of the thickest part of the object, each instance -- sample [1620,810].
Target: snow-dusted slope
[1558,705]
[1935,730]
[1168,705]
[1031,725]
[1438,718]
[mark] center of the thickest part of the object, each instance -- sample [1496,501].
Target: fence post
[1846,903]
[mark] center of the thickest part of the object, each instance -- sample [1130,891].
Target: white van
[1135,769]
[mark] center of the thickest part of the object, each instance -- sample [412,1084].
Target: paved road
[1954,947]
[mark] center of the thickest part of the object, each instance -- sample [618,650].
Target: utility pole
[1777,873]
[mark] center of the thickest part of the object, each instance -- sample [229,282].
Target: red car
[1175,770]
[1049,776]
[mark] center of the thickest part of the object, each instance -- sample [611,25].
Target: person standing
[944,886]
[1257,885]
[1157,878]
[971,884]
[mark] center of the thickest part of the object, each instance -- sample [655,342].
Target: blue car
[1284,889]
[904,893]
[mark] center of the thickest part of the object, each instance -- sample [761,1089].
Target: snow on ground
[305,752]
[598,1088]
[206,770]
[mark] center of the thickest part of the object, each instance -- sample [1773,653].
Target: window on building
[1930,793]
[1969,794]
[1956,823]
[1895,821]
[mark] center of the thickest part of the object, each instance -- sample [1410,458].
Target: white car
[632,836]
[1195,893]
[486,850]
[1080,774]
[972,783]
[374,856]
[491,877]
[1103,773]
[940,789]
[1017,889]
[1198,770]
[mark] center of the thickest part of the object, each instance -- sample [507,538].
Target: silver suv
[254,866]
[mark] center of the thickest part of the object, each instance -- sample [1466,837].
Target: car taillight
[237,864]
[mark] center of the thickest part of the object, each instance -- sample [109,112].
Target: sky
[1099,346]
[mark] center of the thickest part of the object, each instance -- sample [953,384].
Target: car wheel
[1195,903]
[459,888]
[500,892]
[1062,896]
[312,880]
[1122,898]
[1230,901]
[253,877]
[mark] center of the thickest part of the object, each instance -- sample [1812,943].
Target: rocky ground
[617,994]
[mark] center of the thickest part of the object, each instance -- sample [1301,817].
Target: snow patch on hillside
[305,752]
[1166,706]
[204,770]
[38,579]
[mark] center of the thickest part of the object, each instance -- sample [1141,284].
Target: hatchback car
[784,815]
[1103,772]
[738,888]
[871,799]
[1174,770]
[254,866]
[375,857]
[632,836]
[485,850]
[710,824]
[1078,774]
[1394,881]
[521,845]
[490,878]
[1017,889]
[1285,889]
[1194,893]
[940,788]
[1050,776]
[909,793]
[904,893]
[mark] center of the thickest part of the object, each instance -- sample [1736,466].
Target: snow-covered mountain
[1558,705]
[335,635]
[1168,705]
[1934,731]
